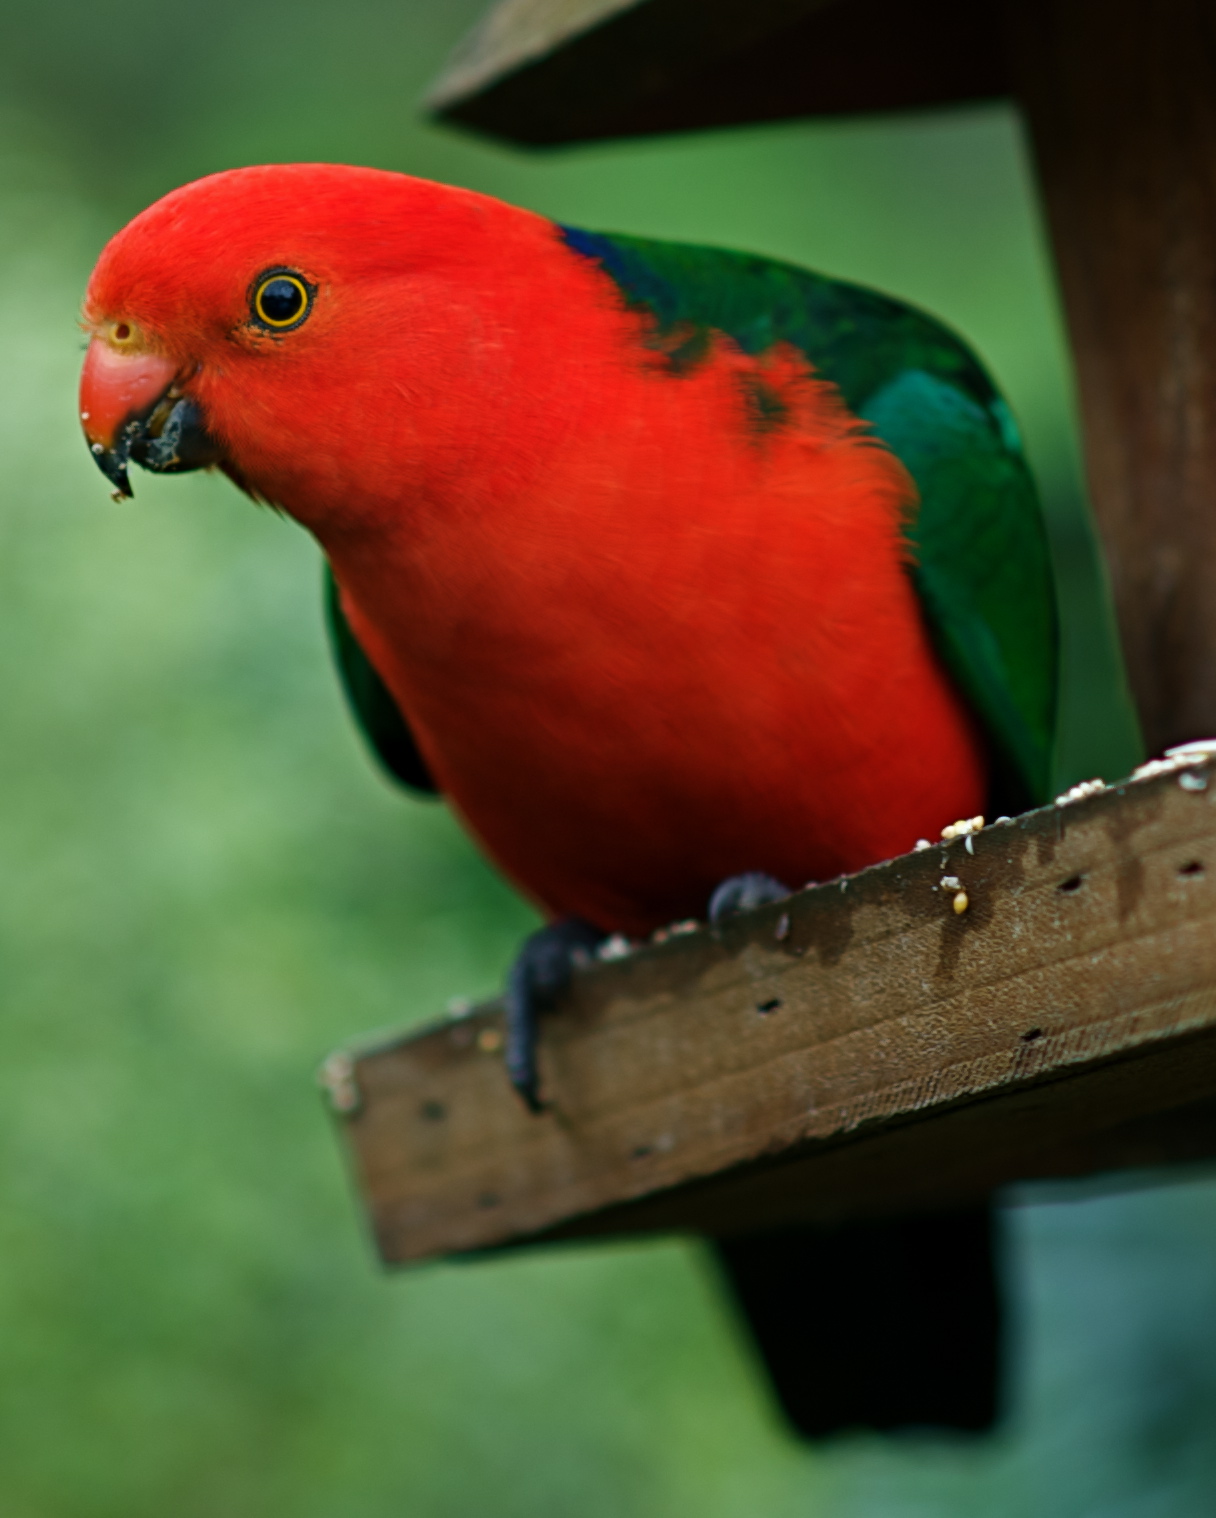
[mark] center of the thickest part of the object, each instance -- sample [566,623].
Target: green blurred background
[205,887]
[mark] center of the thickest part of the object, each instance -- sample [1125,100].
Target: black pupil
[282,300]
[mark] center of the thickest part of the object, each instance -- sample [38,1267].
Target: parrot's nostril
[122,333]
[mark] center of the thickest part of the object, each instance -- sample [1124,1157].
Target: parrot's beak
[131,408]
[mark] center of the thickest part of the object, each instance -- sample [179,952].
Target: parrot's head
[304,326]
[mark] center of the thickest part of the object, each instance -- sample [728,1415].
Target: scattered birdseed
[689,926]
[783,928]
[337,1079]
[616,947]
[960,902]
[489,1040]
[460,1006]
[962,828]
[951,883]
[1204,748]
[922,844]
[1192,782]
[1178,758]
[1079,792]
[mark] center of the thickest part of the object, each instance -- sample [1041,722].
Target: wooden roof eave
[548,72]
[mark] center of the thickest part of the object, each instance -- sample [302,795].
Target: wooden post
[1120,97]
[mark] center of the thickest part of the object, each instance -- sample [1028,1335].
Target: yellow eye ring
[281,300]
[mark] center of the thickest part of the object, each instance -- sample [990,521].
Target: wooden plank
[554,71]
[860,1050]
[1121,99]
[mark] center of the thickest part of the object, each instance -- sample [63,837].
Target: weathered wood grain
[860,1050]
[554,71]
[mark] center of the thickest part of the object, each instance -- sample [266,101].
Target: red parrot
[667,566]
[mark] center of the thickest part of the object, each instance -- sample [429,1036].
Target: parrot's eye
[281,300]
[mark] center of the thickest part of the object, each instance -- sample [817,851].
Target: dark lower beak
[169,439]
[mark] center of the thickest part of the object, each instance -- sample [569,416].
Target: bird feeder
[1033,999]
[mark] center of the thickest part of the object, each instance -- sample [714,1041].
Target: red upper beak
[117,386]
[130,410]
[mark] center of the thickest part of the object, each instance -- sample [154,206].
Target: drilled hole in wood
[768,1006]
[1194,868]
[1031,1034]
[1073,883]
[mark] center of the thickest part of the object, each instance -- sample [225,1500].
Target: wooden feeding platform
[860,1050]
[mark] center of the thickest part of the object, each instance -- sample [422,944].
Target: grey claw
[742,892]
[540,974]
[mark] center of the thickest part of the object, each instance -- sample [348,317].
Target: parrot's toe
[742,892]
[539,975]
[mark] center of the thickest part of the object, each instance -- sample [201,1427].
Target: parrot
[686,576]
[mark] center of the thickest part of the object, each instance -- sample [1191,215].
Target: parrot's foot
[742,892]
[540,974]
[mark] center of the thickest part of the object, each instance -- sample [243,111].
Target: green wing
[375,712]
[981,561]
